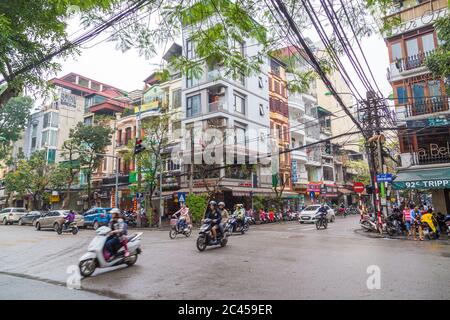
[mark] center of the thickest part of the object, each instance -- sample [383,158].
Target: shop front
[313,192]
[434,181]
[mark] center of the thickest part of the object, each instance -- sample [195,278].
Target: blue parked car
[97,217]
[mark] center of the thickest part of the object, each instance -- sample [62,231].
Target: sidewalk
[443,238]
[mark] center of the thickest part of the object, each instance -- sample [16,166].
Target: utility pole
[137,166]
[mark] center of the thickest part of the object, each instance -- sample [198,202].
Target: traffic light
[138,147]
[327,147]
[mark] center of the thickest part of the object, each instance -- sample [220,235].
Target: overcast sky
[127,70]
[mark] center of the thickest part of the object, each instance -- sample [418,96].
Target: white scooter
[95,258]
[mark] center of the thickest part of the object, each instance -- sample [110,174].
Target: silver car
[310,212]
[11,215]
[54,218]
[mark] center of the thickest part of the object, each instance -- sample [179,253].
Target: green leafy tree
[69,169]
[197,204]
[18,180]
[30,30]
[361,169]
[89,142]
[13,119]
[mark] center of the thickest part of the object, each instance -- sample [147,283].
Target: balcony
[415,11]
[217,106]
[279,107]
[427,106]
[414,158]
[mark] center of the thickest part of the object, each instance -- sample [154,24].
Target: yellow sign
[54,198]
[148,106]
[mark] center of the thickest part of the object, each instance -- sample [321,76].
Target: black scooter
[205,239]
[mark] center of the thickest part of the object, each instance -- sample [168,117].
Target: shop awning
[436,178]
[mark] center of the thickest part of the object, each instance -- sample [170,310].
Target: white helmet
[114,210]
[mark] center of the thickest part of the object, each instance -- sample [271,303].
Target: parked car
[54,218]
[31,217]
[97,217]
[309,213]
[11,215]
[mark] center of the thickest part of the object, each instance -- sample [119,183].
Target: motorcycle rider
[117,235]
[69,219]
[183,217]
[224,214]
[240,214]
[216,218]
[342,209]
[322,211]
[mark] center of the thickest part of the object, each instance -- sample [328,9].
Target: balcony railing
[412,62]
[415,11]
[418,159]
[427,106]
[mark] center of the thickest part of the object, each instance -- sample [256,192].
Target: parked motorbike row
[270,217]
[433,225]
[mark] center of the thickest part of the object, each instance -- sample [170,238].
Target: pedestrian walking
[407,219]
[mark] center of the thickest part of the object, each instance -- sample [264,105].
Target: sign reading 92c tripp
[423,184]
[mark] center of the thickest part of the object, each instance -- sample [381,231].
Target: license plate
[306,218]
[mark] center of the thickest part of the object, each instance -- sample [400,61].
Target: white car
[309,213]
[11,215]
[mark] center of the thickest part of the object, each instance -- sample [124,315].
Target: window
[412,47]
[402,95]
[88,121]
[190,52]
[434,89]
[396,49]
[127,135]
[34,136]
[191,80]
[54,120]
[172,166]
[52,138]
[261,110]
[260,82]
[238,46]
[51,155]
[428,42]
[105,164]
[176,130]
[83,82]
[46,120]
[280,132]
[239,134]
[276,87]
[176,98]
[193,106]
[239,103]
[119,138]
[270,84]
[44,138]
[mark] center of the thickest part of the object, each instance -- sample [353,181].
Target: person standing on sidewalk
[407,219]
[417,224]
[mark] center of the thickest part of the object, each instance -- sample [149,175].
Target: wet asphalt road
[276,261]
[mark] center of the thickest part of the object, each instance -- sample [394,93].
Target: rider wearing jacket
[69,219]
[224,214]
[117,235]
[216,218]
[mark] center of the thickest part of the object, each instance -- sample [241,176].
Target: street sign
[358,187]
[181,196]
[384,177]
[311,194]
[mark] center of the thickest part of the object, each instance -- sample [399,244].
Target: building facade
[420,101]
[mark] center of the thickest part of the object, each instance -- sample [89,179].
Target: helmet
[212,202]
[115,210]
[221,203]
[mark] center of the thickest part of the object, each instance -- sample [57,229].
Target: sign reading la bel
[427,18]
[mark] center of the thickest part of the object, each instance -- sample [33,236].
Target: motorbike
[174,229]
[64,228]
[130,219]
[235,226]
[205,238]
[394,225]
[368,224]
[430,227]
[96,255]
[321,221]
[447,222]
